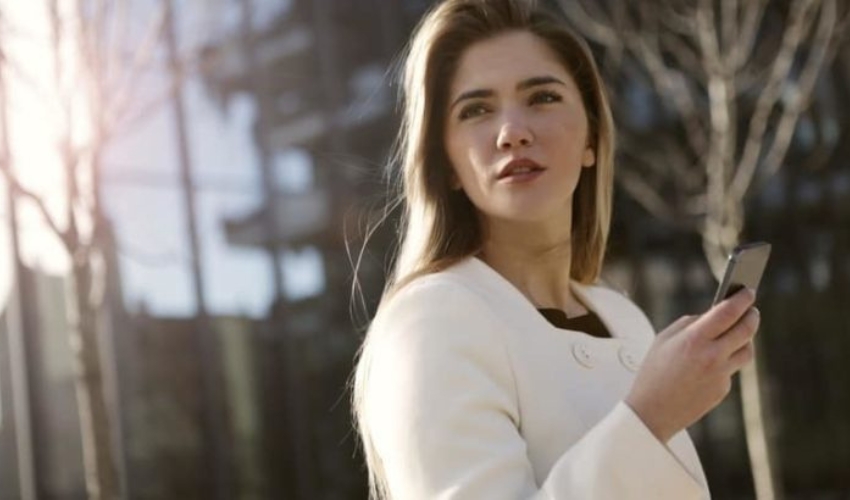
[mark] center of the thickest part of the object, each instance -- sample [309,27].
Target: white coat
[470,393]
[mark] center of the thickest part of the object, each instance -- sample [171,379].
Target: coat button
[582,354]
[629,359]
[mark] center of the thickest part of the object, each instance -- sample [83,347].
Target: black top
[588,323]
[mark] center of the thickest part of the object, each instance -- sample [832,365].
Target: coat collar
[615,311]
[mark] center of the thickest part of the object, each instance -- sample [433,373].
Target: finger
[724,315]
[741,357]
[740,334]
[679,325]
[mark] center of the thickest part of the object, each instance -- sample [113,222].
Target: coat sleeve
[440,411]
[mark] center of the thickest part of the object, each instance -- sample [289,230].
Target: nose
[514,133]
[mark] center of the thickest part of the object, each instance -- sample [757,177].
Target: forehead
[504,60]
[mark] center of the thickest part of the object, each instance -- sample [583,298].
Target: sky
[140,171]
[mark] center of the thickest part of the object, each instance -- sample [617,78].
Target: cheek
[568,136]
[468,154]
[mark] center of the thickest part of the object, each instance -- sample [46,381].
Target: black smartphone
[743,269]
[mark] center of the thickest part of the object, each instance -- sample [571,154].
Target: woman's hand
[688,369]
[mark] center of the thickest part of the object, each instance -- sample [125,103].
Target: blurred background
[186,186]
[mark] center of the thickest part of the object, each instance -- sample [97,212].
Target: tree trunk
[100,471]
[761,459]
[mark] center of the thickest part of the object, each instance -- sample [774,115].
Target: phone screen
[744,269]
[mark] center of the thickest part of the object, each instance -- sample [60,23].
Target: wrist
[655,425]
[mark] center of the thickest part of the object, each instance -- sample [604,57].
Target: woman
[495,368]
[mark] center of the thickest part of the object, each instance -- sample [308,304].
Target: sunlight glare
[36,119]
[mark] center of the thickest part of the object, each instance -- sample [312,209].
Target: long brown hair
[439,225]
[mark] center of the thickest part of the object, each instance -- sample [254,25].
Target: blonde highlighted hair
[439,225]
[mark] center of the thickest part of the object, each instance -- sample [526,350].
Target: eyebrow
[526,84]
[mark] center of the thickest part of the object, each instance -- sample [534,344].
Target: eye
[544,97]
[472,110]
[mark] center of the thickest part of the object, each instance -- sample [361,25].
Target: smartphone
[743,269]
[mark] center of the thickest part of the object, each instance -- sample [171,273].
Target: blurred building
[319,73]
[54,423]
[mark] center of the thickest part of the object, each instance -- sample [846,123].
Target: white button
[629,359]
[582,354]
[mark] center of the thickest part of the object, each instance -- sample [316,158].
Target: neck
[536,260]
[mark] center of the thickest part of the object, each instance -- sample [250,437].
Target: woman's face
[516,131]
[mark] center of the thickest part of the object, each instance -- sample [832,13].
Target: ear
[588,159]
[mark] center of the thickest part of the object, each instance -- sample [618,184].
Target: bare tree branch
[115,39]
[741,52]
[646,195]
[718,158]
[685,55]
[56,32]
[672,83]
[799,22]
[590,28]
[728,27]
[125,120]
[17,189]
[126,84]
[22,76]
[799,95]
[707,37]
[676,23]
[669,159]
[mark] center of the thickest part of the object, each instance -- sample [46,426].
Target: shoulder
[433,334]
[434,391]
[438,305]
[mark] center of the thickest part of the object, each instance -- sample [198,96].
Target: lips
[518,168]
